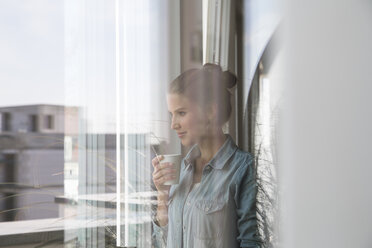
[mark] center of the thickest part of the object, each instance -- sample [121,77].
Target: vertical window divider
[118,124]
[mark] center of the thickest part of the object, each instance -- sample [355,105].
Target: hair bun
[209,67]
[229,79]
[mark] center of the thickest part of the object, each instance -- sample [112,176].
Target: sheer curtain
[119,58]
[147,59]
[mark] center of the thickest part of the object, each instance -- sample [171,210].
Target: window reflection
[80,170]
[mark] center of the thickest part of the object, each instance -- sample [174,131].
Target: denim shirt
[221,211]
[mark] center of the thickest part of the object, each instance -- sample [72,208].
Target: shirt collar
[219,160]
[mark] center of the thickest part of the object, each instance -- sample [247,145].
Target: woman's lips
[181,134]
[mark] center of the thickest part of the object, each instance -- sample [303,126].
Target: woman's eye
[182,113]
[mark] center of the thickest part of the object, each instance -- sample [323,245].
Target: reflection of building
[33,119]
[31,160]
[90,186]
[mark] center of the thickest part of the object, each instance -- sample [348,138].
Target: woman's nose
[174,125]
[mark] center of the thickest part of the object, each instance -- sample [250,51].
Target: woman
[214,204]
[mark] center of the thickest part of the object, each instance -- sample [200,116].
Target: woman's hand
[162,172]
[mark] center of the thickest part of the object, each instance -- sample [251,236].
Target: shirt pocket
[210,219]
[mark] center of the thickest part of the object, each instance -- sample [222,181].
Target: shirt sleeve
[160,235]
[245,199]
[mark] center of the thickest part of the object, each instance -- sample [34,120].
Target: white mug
[175,159]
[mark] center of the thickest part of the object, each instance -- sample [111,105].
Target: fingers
[163,166]
[163,172]
[155,161]
[163,179]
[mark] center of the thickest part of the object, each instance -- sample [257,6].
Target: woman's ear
[212,113]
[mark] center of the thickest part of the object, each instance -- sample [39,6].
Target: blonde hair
[206,86]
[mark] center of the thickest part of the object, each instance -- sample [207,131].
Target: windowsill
[35,231]
[50,225]
[108,200]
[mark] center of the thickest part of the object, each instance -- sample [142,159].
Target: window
[89,175]
[6,121]
[49,122]
[7,174]
[34,123]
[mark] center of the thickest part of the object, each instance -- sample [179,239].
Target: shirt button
[188,203]
[184,228]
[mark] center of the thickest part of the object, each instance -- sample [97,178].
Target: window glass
[6,122]
[75,154]
[49,122]
[34,123]
[31,154]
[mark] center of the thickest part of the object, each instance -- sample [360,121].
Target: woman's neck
[210,146]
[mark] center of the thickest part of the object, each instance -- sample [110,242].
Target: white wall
[326,135]
[40,167]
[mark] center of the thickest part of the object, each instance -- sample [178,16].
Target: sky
[62,52]
[31,52]
[37,66]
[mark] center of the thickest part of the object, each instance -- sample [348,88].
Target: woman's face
[188,119]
